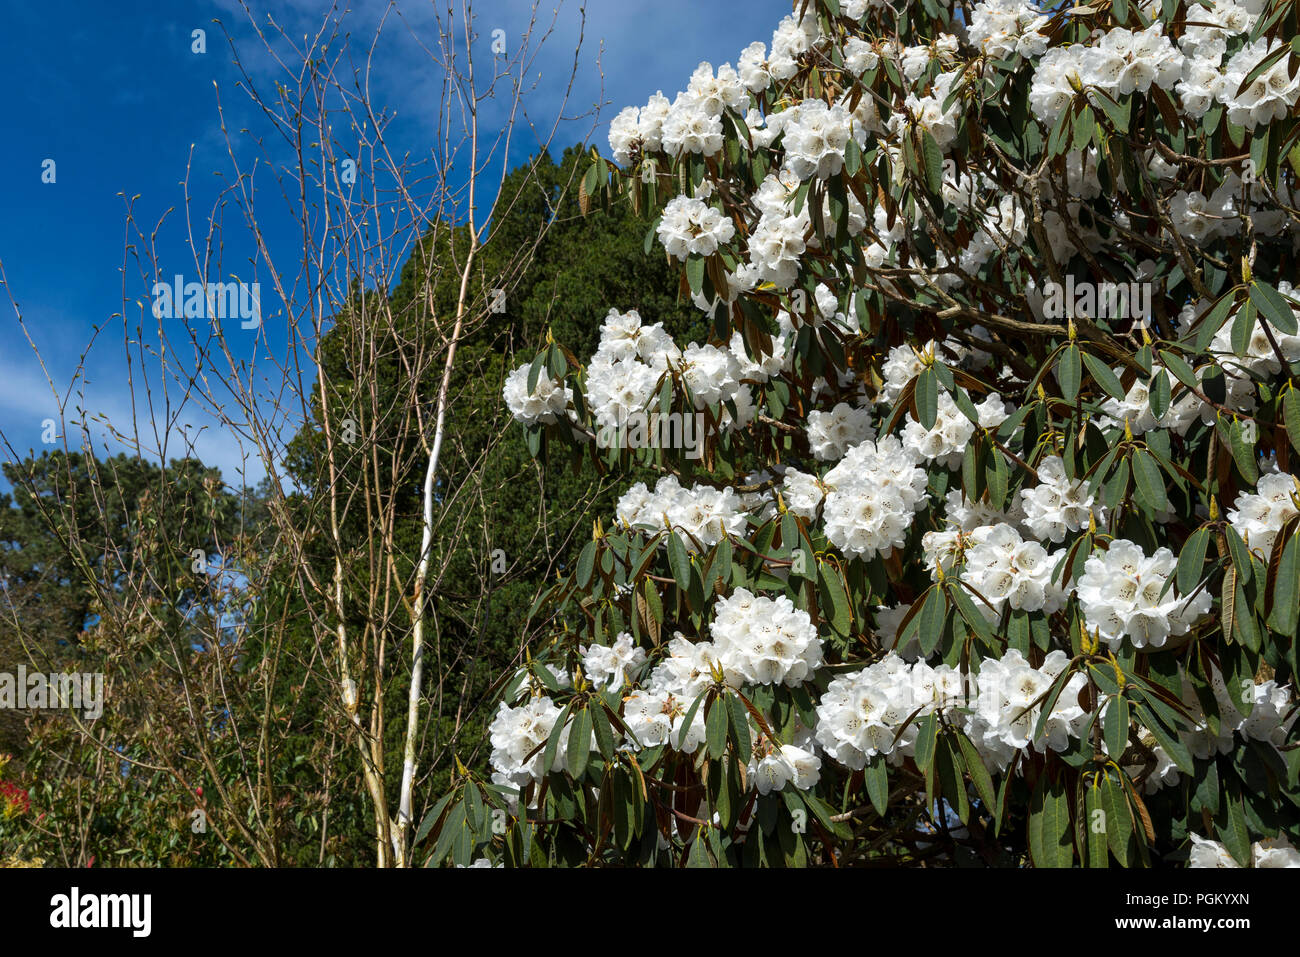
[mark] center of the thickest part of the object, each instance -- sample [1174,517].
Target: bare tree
[368,216]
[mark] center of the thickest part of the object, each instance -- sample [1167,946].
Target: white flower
[617,390]
[607,665]
[816,136]
[713,93]
[690,227]
[860,56]
[649,716]
[761,640]
[875,490]
[1005,569]
[712,374]
[1258,517]
[1003,721]
[515,733]
[687,670]
[861,713]
[545,403]
[802,493]
[1121,595]
[689,127]
[1057,505]
[1207,853]
[1274,852]
[1270,96]
[830,434]
[945,442]
[784,764]
[1006,27]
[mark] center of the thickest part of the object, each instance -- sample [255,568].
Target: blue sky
[114,95]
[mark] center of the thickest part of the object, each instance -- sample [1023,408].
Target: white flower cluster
[1270,852]
[816,136]
[1057,505]
[874,492]
[1007,709]
[1270,96]
[1258,517]
[946,441]
[783,764]
[1005,569]
[629,366]
[861,713]
[607,665]
[1259,356]
[657,717]
[831,434]
[515,733]
[690,227]
[700,512]
[1122,593]
[1002,28]
[1271,717]
[762,641]
[545,403]
[1121,62]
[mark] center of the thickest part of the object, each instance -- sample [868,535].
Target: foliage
[1038,604]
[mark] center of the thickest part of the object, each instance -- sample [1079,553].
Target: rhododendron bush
[988,551]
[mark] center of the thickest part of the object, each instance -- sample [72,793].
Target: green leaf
[1243,327]
[579,743]
[1273,307]
[604,733]
[1207,786]
[689,719]
[934,612]
[1291,410]
[933,158]
[1171,743]
[715,728]
[833,596]
[1093,815]
[1183,372]
[553,740]
[1116,726]
[1150,483]
[877,780]
[431,818]
[1285,616]
[1114,111]
[1243,452]
[1191,560]
[695,273]
[927,398]
[1119,820]
[739,718]
[979,773]
[1050,844]
[1104,377]
[1214,320]
[926,741]
[1158,395]
[1070,372]
[679,561]
[1233,832]
[586,565]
